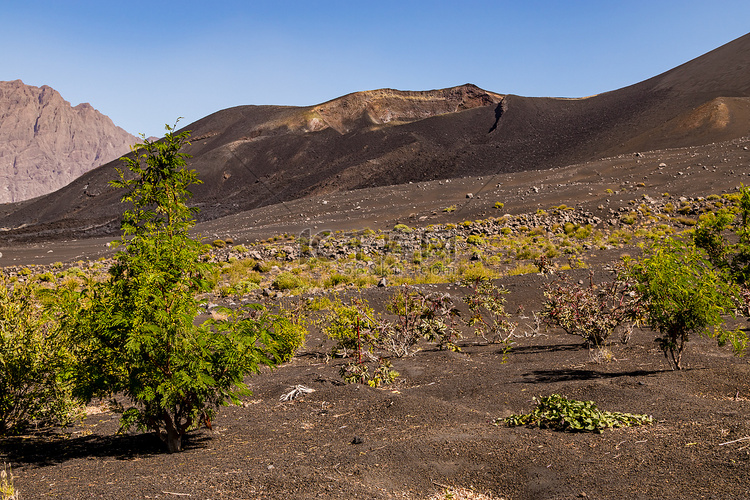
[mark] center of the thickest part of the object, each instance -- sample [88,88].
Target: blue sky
[145,63]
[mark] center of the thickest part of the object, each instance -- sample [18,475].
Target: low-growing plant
[560,413]
[629,219]
[593,312]
[8,490]
[475,239]
[488,317]
[359,373]
[287,281]
[523,269]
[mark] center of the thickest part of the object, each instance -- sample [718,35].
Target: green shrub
[35,357]
[287,281]
[336,279]
[342,322]
[682,293]
[475,239]
[219,243]
[289,328]
[629,219]
[523,269]
[559,413]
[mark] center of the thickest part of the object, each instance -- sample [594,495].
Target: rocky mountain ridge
[45,143]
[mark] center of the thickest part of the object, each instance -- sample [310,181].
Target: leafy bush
[475,239]
[418,315]
[359,373]
[343,323]
[34,359]
[488,316]
[287,281]
[682,293]
[590,311]
[289,328]
[559,413]
[336,279]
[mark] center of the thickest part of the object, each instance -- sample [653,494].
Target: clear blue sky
[145,63]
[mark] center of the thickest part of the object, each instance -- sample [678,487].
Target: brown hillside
[253,156]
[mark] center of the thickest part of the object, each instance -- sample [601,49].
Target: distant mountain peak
[45,143]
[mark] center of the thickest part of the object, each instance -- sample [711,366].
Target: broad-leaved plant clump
[136,334]
[560,413]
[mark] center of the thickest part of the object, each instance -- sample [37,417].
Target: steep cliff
[45,142]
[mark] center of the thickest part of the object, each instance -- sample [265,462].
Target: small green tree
[136,333]
[682,293]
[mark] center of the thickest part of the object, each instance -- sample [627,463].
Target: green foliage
[289,332]
[218,243]
[35,387]
[499,205]
[359,373]
[8,490]
[629,219]
[336,279]
[682,293]
[733,257]
[343,322]
[402,228]
[488,316]
[287,281]
[136,333]
[562,414]
[475,239]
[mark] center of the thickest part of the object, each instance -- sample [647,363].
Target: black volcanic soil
[435,426]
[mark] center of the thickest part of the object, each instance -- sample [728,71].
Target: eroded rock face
[379,107]
[45,142]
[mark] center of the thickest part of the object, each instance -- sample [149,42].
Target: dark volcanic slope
[252,156]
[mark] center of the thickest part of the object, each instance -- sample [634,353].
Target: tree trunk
[171,436]
[173,440]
